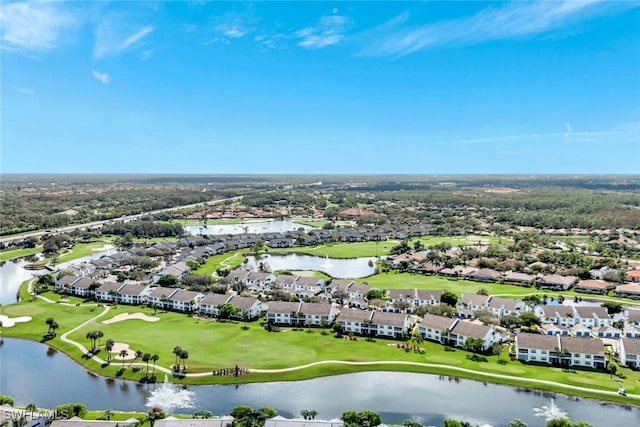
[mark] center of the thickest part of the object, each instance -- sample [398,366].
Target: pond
[396,396]
[353,268]
[246,227]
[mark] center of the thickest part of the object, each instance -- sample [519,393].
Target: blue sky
[320,87]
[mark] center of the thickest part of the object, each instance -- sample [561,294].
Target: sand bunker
[104,248]
[118,347]
[126,316]
[8,322]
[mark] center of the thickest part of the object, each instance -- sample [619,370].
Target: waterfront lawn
[343,250]
[67,317]
[315,223]
[19,253]
[82,249]
[394,280]
[215,345]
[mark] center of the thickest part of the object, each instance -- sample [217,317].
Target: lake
[31,373]
[246,227]
[353,268]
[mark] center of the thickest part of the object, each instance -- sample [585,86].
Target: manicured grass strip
[344,250]
[315,223]
[19,253]
[229,260]
[458,241]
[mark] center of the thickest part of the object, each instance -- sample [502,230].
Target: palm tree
[54,325]
[91,335]
[107,414]
[31,407]
[99,334]
[308,414]
[154,359]
[184,355]
[137,356]
[145,358]
[177,350]
[108,346]
[50,321]
[123,353]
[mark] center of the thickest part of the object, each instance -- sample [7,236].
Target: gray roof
[283,307]
[427,294]
[437,322]
[508,303]
[243,303]
[475,299]
[537,341]
[468,329]
[161,291]
[184,295]
[317,309]
[590,312]
[132,289]
[631,346]
[214,299]
[109,286]
[555,310]
[354,315]
[390,319]
[582,345]
[83,283]
[519,277]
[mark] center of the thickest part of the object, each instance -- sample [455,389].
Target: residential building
[537,348]
[133,293]
[592,317]
[593,286]
[582,352]
[355,321]
[317,314]
[249,308]
[629,352]
[283,312]
[211,302]
[394,325]
[184,300]
[436,328]
[556,282]
[463,330]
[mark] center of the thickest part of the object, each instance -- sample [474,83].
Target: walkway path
[453,368]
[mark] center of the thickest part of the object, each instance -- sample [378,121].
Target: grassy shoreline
[201,337]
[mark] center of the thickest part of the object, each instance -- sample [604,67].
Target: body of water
[12,274]
[246,227]
[30,372]
[353,268]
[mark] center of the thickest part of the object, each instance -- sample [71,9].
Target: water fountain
[549,411]
[327,263]
[169,396]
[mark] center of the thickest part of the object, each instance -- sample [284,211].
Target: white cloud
[568,127]
[33,27]
[512,20]
[110,42]
[329,31]
[26,91]
[100,76]
[233,31]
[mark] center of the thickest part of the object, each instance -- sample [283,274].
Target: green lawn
[344,250]
[18,253]
[213,345]
[227,260]
[458,241]
[316,223]
[83,249]
[393,280]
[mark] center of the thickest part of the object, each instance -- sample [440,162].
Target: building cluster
[418,262]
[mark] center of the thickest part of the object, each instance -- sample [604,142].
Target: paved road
[11,238]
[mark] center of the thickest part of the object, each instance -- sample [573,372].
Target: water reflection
[246,227]
[353,268]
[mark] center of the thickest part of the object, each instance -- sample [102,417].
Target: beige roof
[475,299]
[593,284]
[519,277]
[109,286]
[401,293]
[161,291]
[556,279]
[629,288]
[427,294]
[558,310]
[132,289]
[537,341]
